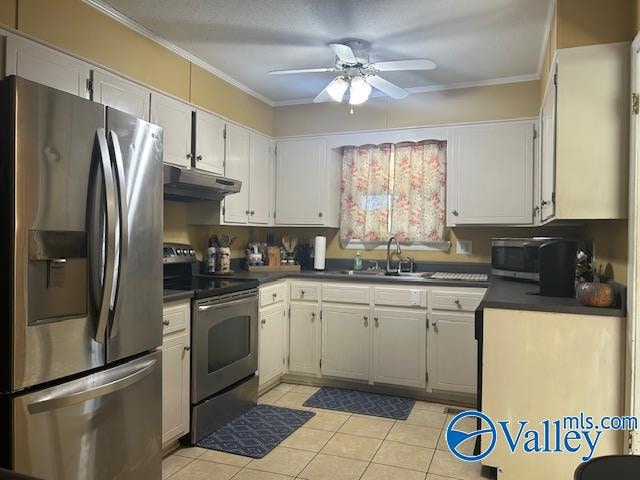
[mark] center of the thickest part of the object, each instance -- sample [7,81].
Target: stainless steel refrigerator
[81,296]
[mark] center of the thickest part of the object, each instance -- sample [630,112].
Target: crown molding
[435,88]
[118,16]
[108,10]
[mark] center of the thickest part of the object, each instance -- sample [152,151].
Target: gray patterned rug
[365,403]
[257,431]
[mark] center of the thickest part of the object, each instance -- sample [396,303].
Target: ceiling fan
[357,74]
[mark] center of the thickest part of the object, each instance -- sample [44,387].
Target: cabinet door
[175,387]
[548,151]
[209,143]
[490,179]
[304,338]
[452,347]
[400,347]
[271,343]
[120,94]
[236,206]
[47,66]
[259,180]
[346,342]
[300,182]
[175,119]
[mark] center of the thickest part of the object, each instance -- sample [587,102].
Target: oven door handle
[204,308]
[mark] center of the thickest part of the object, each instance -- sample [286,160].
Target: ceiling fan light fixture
[337,89]
[359,91]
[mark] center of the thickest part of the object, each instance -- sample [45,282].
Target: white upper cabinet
[490,174]
[260,180]
[547,182]
[120,94]
[49,67]
[209,143]
[300,182]
[236,206]
[592,132]
[175,119]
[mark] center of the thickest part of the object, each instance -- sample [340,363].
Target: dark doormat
[365,403]
[257,431]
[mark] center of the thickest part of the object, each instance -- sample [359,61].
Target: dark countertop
[515,295]
[269,277]
[172,295]
[501,293]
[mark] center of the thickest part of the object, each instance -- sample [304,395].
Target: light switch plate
[464,247]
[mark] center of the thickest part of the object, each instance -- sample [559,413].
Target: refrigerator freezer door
[54,166]
[136,154]
[101,427]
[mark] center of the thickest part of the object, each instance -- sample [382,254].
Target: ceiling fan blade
[303,70]
[324,96]
[386,87]
[343,52]
[416,64]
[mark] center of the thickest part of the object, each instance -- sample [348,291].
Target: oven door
[225,342]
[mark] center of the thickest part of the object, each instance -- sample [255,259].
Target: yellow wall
[495,102]
[81,29]
[8,12]
[589,22]
[215,94]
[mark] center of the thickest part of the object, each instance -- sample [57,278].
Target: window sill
[411,246]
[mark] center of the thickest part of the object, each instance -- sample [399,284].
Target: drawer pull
[166,323]
[263,321]
[302,293]
[187,348]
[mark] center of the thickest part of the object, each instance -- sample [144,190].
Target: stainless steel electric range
[224,331]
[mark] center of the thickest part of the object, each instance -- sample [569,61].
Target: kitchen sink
[382,273]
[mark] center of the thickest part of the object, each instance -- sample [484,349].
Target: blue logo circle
[455,437]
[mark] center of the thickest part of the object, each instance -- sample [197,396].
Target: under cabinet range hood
[193,186]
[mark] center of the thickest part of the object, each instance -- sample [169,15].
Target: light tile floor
[336,446]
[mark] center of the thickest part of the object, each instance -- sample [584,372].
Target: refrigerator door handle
[109,248]
[119,280]
[110,385]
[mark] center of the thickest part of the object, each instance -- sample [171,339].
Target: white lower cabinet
[400,347]
[452,352]
[346,343]
[176,366]
[304,338]
[271,353]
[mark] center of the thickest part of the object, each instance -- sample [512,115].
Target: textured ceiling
[470,40]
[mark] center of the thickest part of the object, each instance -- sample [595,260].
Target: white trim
[135,26]
[103,7]
[545,38]
[412,246]
[632,380]
[432,88]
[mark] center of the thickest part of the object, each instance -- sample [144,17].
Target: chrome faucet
[398,251]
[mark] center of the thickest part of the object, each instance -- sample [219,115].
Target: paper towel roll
[320,252]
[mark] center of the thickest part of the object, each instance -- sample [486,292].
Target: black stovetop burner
[207,286]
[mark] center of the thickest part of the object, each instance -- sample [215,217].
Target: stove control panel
[178,253]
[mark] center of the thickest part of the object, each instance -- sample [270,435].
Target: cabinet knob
[320,214]
[199,157]
[455,213]
[246,212]
[166,323]
[434,324]
[263,321]
[187,348]
[366,321]
[253,212]
[313,316]
[377,320]
[274,295]
[189,156]
[544,202]
[457,302]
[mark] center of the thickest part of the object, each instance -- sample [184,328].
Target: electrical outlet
[464,247]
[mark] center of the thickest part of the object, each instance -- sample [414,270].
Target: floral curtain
[394,190]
